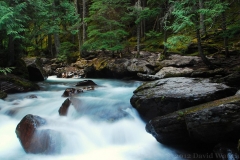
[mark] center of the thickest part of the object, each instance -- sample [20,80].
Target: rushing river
[106,127]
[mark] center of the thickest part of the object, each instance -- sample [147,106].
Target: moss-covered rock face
[13,84]
[208,123]
[3,95]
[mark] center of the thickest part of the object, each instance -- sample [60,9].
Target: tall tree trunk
[11,50]
[77,9]
[56,34]
[165,40]
[50,45]
[200,50]
[138,40]
[225,38]
[202,18]
[84,25]
[57,43]
[138,5]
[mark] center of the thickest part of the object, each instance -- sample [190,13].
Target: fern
[6,70]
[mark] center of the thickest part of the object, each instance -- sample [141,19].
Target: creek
[105,127]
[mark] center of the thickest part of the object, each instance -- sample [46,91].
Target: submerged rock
[36,140]
[71,91]
[209,123]
[31,96]
[164,96]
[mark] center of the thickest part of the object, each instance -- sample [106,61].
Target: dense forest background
[68,29]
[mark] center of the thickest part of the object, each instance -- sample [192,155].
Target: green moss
[101,63]
[212,104]
[28,85]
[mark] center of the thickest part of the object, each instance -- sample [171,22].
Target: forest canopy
[68,28]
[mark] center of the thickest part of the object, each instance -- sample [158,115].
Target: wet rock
[166,72]
[71,91]
[35,70]
[86,83]
[36,140]
[207,124]
[180,61]
[64,108]
[13,84]
[164,96]
[31,96]
[147,77]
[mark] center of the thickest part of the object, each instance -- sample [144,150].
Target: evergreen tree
[187,13]
[12,27]
[107,23]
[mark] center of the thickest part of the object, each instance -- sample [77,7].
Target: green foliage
[153,34]
[6,70]
[66,51]
[10,21]
[179,42]
[107,29]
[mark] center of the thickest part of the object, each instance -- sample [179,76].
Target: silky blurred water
[104,126]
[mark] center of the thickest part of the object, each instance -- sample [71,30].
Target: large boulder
[36,140]
[35,69]
[13,84]
[164,96]
[209,123]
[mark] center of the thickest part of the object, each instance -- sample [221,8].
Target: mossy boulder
[14,84]
[209,123]
[164,96]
